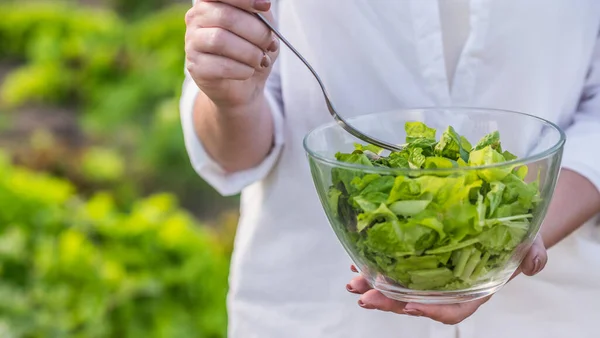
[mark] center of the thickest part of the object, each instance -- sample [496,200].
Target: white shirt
[454,21]
[542,57]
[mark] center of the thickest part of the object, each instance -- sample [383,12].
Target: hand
[451,314]
[230,52]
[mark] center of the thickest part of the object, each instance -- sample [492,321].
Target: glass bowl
[446,231]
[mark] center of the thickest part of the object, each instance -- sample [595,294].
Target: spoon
[341,122]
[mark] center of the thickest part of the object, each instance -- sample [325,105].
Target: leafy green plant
[45,31]
[131,8]
[107,64]
[153,58]
[36,83]
[102,165]
[71,267]
[122,80]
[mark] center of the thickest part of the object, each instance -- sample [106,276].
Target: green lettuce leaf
[429,219]
[368,147]
[493,198]
[416,130]
[416,159]
[404,188]
[491,140]
[504,237]
[465,144]
[370,201]
[417,263]
[439,162]
[333,197]
[518,191]
[409,208]
[509,156]
[430,279]
[451,146]
[488,156]
[359,183]
[366,219]
[396,240]
[355,158]
[398,160]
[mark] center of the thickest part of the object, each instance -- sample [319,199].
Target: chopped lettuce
[442,230]
[418,130]
[451,146]
[490,140]
[369,147]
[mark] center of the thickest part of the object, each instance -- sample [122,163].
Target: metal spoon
[336,116]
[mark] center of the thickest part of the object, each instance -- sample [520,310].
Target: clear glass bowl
[433,259]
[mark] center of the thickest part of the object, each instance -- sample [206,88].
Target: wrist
[234,108]
[237,137]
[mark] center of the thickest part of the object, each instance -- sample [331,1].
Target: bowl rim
[513,163]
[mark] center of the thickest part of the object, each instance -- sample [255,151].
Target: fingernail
[349,288]
[262,5]
[266,61]
[365,306]
[274,46]
[413,312]
[537,265]
[353,268]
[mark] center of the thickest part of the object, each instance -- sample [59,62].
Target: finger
[447,314]
[239,22]
[247,5]
[374,299]
[515,274]
[221,42]
[536,258]
[358,285]
[209,67]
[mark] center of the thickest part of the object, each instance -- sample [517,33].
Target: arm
[236,138]
[576,200]
[230,55]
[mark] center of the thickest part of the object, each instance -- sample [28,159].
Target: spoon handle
[330,106]
[306,63]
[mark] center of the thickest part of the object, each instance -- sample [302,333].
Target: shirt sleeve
[581,153]
[228,184]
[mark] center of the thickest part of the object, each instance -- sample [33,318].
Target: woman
[247,104]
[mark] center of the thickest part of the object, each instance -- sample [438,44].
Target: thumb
[536,258]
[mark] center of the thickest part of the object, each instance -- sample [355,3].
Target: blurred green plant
[132,8]
[71,267]
[116,72]
[81,255]
[35,83]
[122,78]
[102,165]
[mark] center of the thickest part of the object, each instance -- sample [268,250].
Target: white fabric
[288,271]
[454,19]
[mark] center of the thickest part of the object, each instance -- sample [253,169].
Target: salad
[434,230]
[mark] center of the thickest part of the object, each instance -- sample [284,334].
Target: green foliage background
[122,78]
[99,229]
[72,267]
